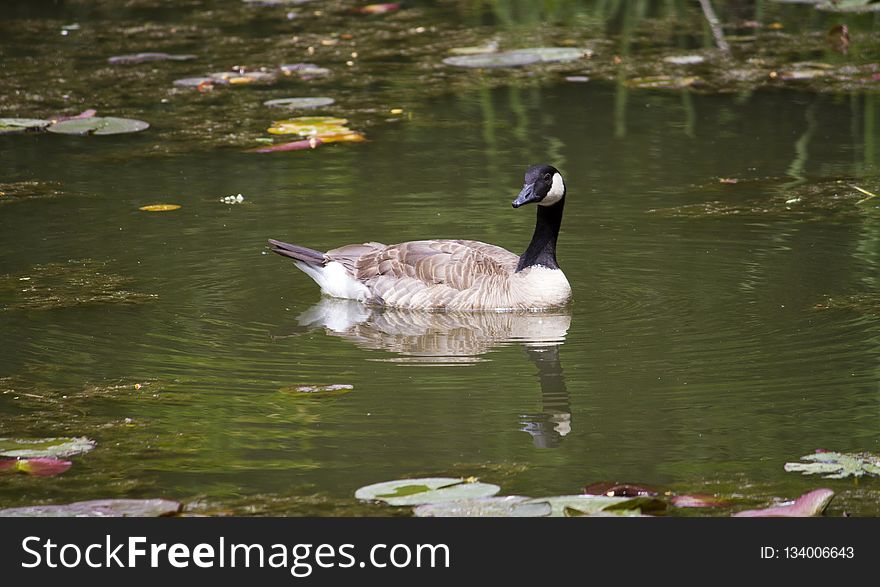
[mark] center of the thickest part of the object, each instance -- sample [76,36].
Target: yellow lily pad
[310,126]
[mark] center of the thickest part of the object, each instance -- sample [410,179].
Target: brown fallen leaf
[838,38]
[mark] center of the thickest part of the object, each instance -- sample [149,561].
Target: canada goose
[452,275]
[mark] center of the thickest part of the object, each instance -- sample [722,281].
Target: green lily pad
[101,508]
[98,125]
[45,447]
[517,58]
[582,504]
[492,60]
[553,54]
[299,103]
[835,465]
[10,125]
[424,491]
[511,506]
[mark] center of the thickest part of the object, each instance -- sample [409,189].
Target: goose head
[543,185]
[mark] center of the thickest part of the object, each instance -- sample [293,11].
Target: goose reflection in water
[449,338]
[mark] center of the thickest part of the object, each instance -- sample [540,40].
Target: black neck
[542,249]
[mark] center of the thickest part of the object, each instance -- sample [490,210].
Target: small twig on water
[709,13]
[870,195]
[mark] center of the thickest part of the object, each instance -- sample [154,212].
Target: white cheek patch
[557,190]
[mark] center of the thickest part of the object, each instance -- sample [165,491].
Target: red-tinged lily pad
[305,144]
[383,8]
[45,447]
[697,501]
[299,103]
[11,125]
[84,114]
[98,125]
[808,505]
[147,58]
[616,489]
[39,466]
[100,508]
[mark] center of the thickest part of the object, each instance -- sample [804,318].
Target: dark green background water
[696,357]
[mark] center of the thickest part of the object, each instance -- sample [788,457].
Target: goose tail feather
[298,253]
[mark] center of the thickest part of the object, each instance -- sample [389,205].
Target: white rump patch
[557,190]
[335,281]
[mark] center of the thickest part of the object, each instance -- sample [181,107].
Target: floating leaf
[147,57]
[511,506]
[246,77]
[10,125]
[835,465]
[298,103]
[684,59]
[616,489]
[554,54]
[45,447]
[319,391]
[345,137]
[808,505]
[160,207]
[378,8]
[104,508]
[98,125]
[309,126]
[39,466]
[492,60]
[84,114]
[586,504]
[312,143]
[423,491]
[577,78]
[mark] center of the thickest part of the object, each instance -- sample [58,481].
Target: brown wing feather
[455,264]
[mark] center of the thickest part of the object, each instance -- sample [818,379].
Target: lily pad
[195,82]
[511,506]
[585,504]
[45,447]
[553,54]
[808,505]
[244,77]
[160,207]
[103,508]
[10,125]
[697,501]
[98,125]
[147,57]
[492,60]
[309,126]
[304,70]
[835,465]
[299,103]
[39,466]
[426,490]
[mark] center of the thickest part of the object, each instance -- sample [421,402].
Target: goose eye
[547,177]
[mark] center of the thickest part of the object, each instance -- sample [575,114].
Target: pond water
[718,329]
